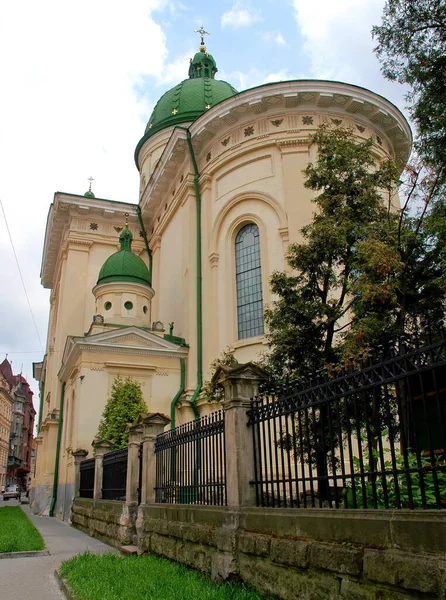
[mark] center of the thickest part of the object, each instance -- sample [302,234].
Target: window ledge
[252,341]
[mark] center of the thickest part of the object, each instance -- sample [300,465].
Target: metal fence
[190,463]
[367,437]
[115,475]
[86,486]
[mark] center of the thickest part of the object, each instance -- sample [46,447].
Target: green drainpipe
[193,400]
[180,392]
[56,462]
[144,235]
[42,398]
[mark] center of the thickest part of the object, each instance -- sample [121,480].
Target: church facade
[221,198]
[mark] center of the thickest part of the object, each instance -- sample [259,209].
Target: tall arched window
[248,273]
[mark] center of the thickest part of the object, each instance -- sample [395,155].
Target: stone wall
[110,521]
[292,554]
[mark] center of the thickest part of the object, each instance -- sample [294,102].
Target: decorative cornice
[111,342]
[296,142]
[63,208]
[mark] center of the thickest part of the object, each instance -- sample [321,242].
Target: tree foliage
[124,406]
[314,301]
[400,285]
[412,50]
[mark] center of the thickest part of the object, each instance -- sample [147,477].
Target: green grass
[146,577]
[17,533]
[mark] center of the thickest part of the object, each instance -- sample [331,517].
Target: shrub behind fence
[368,438]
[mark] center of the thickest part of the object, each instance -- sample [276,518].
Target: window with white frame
[248,272]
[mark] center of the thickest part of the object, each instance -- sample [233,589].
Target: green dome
[189,99]
[124,265]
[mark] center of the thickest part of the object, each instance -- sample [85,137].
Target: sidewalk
[33,578]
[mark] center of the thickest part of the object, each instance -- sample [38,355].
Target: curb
[25,554]
[63,586]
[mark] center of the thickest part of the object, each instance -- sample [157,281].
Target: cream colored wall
[92,383]
[81,257]
[243,178]
[150,155]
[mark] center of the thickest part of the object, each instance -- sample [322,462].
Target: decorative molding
[213,259]
[284,234]
[289,143]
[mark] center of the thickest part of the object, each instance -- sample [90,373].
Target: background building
[222,195]
[6,403]
[16,390]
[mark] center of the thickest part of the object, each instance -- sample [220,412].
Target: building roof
[124,265]
[188,100]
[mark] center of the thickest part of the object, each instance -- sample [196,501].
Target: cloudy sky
[79,81]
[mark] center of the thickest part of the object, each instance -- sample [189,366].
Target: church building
[157,289]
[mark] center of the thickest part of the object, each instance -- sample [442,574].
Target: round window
[128,305]
[144,309]
[107,305]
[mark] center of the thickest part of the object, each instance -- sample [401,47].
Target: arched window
[248,272]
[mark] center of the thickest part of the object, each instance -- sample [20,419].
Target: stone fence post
[101,447]
[153,425]
[132,483]
[240,384]
[79,456]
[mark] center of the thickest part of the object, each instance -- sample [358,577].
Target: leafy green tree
[314,301]
[124,406]
[400,285]
[412,50]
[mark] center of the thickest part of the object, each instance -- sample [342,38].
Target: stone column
[240,384]
[132,483]
[79,456]
[101,447]
[153,425]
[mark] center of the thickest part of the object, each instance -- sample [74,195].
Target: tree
[314,301]
[400,286]
[412,50]
[124,406]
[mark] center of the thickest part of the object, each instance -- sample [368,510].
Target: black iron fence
[370,436]
[86,486]
[115,475]
[190,463]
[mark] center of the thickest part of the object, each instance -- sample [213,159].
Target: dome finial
[89,193]
[202,32]
[126,236]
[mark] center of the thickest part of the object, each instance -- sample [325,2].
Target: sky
[79,82]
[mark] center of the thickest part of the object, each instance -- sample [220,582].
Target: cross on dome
[202,32]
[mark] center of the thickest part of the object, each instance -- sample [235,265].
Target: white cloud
[239,16]
[281,75]
[245,80]
[338,42]
[70,109]
[274,36]
[177,70]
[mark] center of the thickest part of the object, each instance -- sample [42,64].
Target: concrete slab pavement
[32,578]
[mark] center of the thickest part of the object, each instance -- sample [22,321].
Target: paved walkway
[33,578]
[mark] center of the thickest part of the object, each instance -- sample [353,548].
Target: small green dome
[124,265]
[89,194]
[189,99]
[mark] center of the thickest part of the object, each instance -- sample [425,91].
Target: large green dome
[124,265]
[189,99]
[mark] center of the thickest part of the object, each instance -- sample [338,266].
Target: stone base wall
[305,554]
[109,521]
